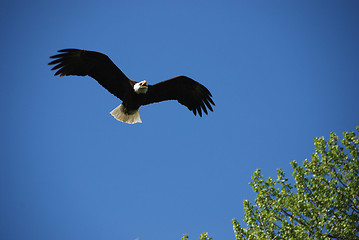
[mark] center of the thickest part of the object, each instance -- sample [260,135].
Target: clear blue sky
[281,73]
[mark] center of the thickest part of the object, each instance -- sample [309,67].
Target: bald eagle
[185,90]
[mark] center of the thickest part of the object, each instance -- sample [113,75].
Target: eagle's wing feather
[94,64]
[186,91]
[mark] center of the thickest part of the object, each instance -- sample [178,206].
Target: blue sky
[281,73]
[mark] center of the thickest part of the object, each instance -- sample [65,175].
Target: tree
[323,203]
[203,236]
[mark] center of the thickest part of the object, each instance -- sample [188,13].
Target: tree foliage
[203,236]
[322,203]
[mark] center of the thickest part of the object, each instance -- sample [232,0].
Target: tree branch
[260,220]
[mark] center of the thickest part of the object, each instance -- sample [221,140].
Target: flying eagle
[185,90]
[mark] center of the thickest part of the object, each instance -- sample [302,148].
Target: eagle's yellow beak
[144,84]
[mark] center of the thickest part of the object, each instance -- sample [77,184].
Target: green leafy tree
[203,236]
[322,203]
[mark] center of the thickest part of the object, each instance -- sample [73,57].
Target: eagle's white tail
[131,117]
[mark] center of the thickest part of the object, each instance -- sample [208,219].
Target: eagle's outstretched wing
[94,64]
[186,91]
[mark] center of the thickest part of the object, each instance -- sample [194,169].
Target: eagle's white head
[141,87]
